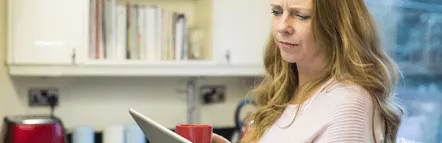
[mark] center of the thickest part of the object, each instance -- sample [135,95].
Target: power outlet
[42,96]
[213,93]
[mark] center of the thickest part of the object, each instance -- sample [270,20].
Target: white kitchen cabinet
[51,38]
[241,29]
[46,32]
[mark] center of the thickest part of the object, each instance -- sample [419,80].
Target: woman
[324,56]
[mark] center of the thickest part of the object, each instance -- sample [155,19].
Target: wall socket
[41,96]
[213,93]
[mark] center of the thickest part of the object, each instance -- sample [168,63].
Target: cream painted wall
[9,101]
[101,102]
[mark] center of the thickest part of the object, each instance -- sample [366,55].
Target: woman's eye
[276,12]
[303,17]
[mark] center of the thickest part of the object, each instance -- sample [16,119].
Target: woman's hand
[219,139]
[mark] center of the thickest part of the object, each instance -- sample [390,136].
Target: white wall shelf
[135,68]
[230,42]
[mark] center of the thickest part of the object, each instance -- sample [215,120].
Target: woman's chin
[289,58]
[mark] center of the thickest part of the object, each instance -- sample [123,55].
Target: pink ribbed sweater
[337,113]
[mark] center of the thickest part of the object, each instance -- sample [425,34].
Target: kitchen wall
[104,101]
[9,101]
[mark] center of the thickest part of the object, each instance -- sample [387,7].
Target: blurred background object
[83,134]
[411,32]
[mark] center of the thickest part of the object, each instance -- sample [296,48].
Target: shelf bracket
[74,56]
[227,56]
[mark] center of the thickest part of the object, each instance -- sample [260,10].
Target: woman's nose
[285,26]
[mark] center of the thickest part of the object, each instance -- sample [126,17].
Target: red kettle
[34,129]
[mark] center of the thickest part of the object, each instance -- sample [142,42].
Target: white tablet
[155,132]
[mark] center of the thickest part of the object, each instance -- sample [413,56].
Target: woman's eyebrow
[276,6]
[293,8]
[297,8]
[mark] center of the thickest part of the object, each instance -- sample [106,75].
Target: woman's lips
[288,44]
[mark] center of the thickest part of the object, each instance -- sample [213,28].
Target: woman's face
[291,30]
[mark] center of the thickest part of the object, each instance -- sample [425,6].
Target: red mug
[195,133]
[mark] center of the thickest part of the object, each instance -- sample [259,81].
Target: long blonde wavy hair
[347,31]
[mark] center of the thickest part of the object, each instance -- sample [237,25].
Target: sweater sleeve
[349,113]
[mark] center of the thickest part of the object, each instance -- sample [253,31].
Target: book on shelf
[136,32]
